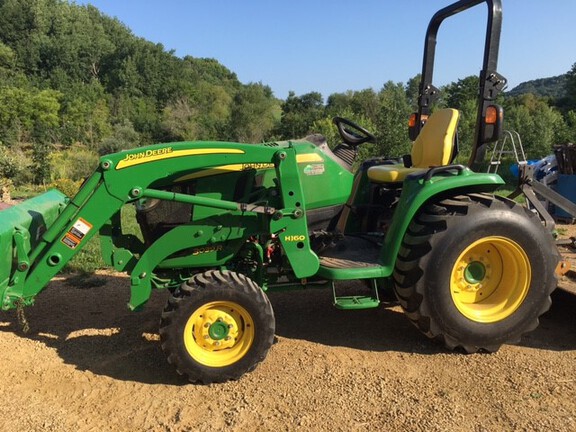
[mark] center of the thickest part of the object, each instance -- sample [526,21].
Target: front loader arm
[145,173]
[77,223]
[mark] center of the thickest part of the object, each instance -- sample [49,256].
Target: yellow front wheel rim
[490,279]
[219,333]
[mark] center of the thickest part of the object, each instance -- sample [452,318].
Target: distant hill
[552,87]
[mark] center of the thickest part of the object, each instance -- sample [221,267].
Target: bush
[66,186]
[5,190]
[75,164]
[15,165]
[123,138]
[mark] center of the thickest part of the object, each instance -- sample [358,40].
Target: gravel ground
[88,364]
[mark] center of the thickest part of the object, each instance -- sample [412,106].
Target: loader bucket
[34,215]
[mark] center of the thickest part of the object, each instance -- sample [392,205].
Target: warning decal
[76,233]
[80,228]
[71,242]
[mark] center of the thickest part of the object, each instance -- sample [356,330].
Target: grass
[509,178]
[89,258]
[27,191]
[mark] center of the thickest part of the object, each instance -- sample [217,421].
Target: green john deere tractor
[223,223]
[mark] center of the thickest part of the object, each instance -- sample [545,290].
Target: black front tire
[475,271]
[216,327]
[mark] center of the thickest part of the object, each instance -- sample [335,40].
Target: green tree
[459,93]
[299,114]
[213,104]
[45,115]
[338,103]
[413,91]
[75,163]
[539,125]
[570,88]
[179,121]
[569,132]
[13,165]
[463,96]
[392,123]
[28,114]
[7,58]
[75,41]
[123,137]
[15,115]
[327,128]
[364,103]
[253,113]
[85,114]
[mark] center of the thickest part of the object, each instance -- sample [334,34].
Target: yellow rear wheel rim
[490,279]
[219,333]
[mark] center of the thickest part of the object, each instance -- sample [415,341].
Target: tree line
[76,84]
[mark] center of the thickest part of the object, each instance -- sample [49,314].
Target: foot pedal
[356,302]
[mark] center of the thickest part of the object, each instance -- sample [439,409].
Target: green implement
[21,229]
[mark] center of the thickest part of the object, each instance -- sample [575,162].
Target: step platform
[353,257]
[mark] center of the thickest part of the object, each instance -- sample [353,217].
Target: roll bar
[491,82]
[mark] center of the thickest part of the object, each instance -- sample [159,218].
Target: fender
[419,190]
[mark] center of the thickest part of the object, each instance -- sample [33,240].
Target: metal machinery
[224,223]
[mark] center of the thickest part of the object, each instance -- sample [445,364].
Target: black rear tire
[217,326]
[475,271]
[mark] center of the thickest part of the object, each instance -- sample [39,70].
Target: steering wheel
[352,133]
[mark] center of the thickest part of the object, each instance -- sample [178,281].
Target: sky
[339,45]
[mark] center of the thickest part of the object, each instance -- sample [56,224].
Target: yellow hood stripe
[168,153]
[309,157]
[301,158]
